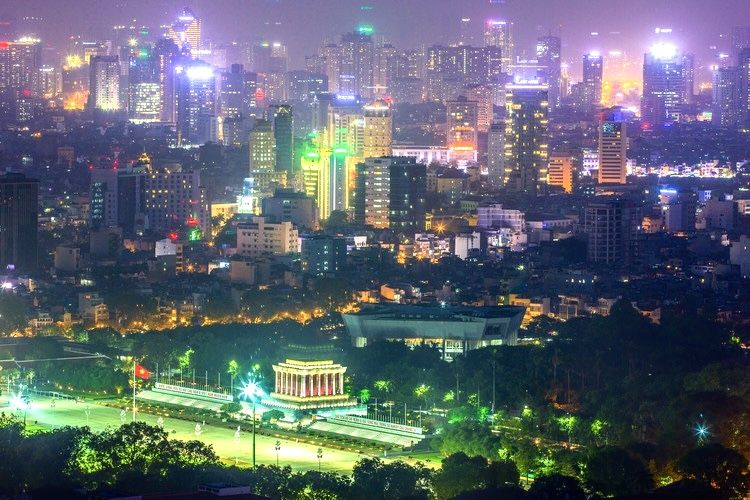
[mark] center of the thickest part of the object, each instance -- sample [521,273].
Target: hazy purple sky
[623,24]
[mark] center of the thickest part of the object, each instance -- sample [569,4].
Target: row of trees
[139,458]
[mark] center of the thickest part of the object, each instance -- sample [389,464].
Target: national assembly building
[452,329]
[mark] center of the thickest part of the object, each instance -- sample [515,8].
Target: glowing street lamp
[277,447]
[320,457]
[252,391]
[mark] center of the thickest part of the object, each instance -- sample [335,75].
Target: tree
[337,220]
[556,487]
[470,438]
[460,473]
[364,396]
[612,471]
[372,478]
[720,467]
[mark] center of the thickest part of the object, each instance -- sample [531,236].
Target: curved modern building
[453,329]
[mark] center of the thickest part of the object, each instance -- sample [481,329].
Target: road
[299,456]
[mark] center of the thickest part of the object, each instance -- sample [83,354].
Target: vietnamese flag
[141,372]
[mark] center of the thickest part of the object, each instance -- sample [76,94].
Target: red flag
[141,372]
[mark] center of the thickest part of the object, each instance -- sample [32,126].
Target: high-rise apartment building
[463,122]
[104,83]
[526,136]
[20,61]
[548,50]
[355,64]
[19,206]
[611,224]
[391,194]
[378,130]
[613,147]
[561,171]
[176,199]
[593,71]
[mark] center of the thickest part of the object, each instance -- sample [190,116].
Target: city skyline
[630,28]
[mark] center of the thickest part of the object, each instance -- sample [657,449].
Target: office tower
[19,205]
[526,136]
[744,68]
[320,104]
[548,55]
[185,32]
[593,65]
[144,90]
[727,96]
[20,61]
[104,83]
[408,187]
[166,53]
[561,171]
[356,64]
[49,82]
[176,200]
[740,40]
[462,125]
[465,64]
[262,147]
[315,176]
[304,85]
[666,82]
[283,133]
[233,92]
[612,226]
[391,194]
[269,57]
[465,36]
[378,132]
[496,155]
[613,147]
[118,195]
[195,92]
[384,58]
[498,33]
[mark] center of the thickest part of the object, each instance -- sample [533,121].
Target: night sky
[623,24]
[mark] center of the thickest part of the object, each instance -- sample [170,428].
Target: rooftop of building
[439,311]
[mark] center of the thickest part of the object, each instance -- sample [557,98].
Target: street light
[320,457]
[277,447]
[252,391]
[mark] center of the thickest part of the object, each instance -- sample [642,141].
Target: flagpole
[133,389]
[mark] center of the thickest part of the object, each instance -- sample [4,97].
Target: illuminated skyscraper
[104,83]
[496,155]
[20,62]
[283,133]
[727,107]
[343,148]
[548,55]
[166,54]
[262,147]
[465,64]
[561,171]
[593,67]
[667,82]
[356,57]
[613,147]
[144,93]
[744,68]
[19,205]
[378,131]
[195,91]
[391,194]
[498,33]
[526,137]
[185,32]
[463,116]
[465,36]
